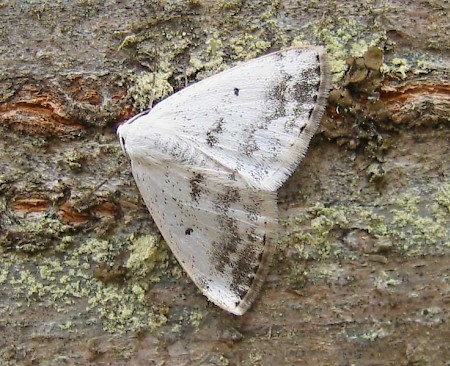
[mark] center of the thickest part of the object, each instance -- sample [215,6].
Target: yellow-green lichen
[73,159]
[146,253]
[414,230]
[367,334]
[223,361]
[68,325]
[398,67]
[209,61]
[196,318]
[120,310]
[424,67]
[383,280]
[176,328]
[231,4]
[149,86]
[322,221]
[128,40]
[344,39]
[410,226]
[65,279]
[255,357]
[247,46]
[36,232]
[442,197]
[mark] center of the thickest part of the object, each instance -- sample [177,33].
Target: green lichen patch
[408,225]
[401,67]
[73,159]
[414,228]
[367,335]
[33,233]
[442,197]
[347,38]
[145,255]
[149,86]
[66,280]
[398,67]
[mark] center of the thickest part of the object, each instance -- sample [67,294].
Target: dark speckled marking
[249,145]
[279,93]
[212,135]
[244,270]
[196,186]
[230,239]
[303,95]
[228,243]
[232,244]
[253,211]
[236,91]
[224,200]
[188,231]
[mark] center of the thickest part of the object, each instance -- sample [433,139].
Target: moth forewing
[209,159]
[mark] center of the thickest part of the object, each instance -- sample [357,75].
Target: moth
[209,159]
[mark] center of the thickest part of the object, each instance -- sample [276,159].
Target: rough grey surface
[361,275]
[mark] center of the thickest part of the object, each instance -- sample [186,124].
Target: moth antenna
[89,195]
[185,79]
[152,94]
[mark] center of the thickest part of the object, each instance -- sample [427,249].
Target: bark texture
[362,271]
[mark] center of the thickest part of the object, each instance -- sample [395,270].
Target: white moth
[209,159]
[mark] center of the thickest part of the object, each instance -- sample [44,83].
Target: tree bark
[361,273]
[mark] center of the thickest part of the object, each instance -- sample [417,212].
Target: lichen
[410,226]
[383,280]
[66,279]
[34,233]
[248,46]
[398,67]
[370,335]
[345,39]
[145,254]
[68,325]
[416,232]
[149,86]
[196,318]
[73,159]
[442,197]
